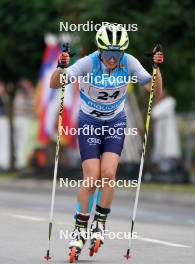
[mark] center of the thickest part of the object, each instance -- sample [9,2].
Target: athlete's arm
[55,79]
[158,59]
[143,77]
[80,68]
[137,70]
[63,62]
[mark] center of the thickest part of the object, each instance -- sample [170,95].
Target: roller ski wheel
[97,233]
[95,247]
[91,252]
[74,254]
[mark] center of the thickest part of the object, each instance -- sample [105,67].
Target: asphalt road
[166,231]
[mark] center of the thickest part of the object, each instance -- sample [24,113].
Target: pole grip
[158,49]
[66,47]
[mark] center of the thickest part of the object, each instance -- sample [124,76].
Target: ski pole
[154,74]
[66,48]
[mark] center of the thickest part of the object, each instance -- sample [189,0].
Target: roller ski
[97,233]
[79,237]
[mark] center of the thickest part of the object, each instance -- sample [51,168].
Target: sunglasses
[108,54]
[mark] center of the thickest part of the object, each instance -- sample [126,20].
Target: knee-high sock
[91,201]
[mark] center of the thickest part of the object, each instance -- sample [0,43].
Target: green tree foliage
[168,22]
[22,28]
[23,24]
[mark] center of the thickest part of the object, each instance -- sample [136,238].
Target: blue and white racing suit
[102,93]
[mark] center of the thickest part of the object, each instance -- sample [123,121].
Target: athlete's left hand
[158,56]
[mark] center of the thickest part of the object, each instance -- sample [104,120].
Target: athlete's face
[111,58]
[111,63]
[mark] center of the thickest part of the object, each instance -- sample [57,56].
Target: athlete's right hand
[64,60]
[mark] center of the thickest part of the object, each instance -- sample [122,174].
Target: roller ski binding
[79,237]
[97,233]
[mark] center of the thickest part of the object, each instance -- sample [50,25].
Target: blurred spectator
[166,133]
[4,130]
[2,99]
[24,114]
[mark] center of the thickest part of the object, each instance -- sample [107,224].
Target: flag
[70,114]
[48,100]
[45,95]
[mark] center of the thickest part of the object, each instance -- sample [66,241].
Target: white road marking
[165,217]
[64,223]
[36,219]
[26,217]
[151,240]
[165,243]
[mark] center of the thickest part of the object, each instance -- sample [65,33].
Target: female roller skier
[102,105]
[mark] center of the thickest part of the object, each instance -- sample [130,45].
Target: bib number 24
[105,96]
